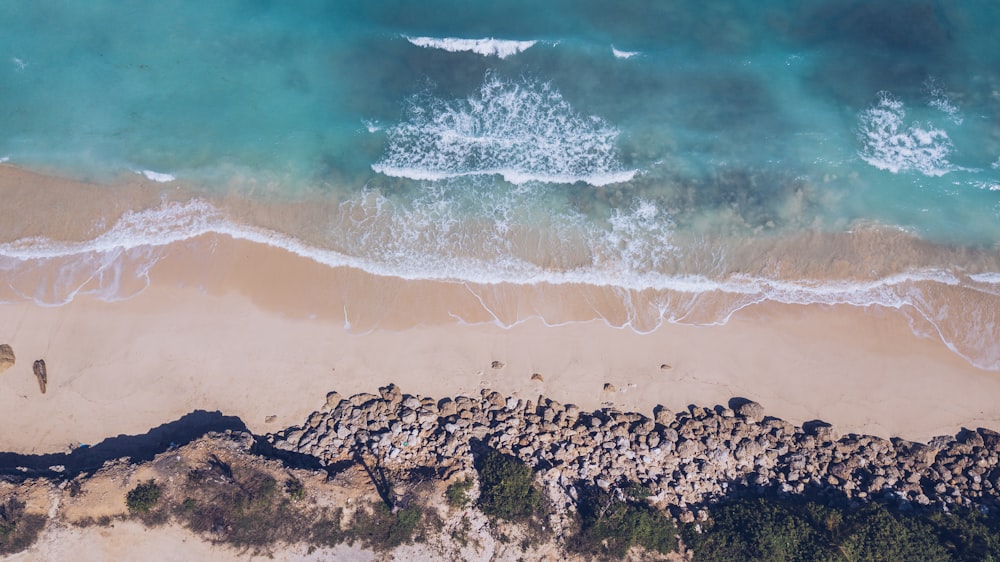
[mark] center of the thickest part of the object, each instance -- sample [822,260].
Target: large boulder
[6,357]
[751,411]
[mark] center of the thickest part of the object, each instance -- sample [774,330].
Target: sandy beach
[265,333]
[252,330]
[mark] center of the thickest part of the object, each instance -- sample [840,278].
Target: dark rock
[41,373]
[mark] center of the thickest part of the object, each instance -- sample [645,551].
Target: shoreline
[253,330]
[252,342]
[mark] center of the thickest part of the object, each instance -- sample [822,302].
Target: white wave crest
[524,131]
[888,143]
[158,177]
[623,54]
[489,46]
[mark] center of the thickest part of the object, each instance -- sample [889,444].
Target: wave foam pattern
[489,47]
[117,264]
[888,143]
[524,131]
[619,54]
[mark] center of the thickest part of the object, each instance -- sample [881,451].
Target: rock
[332,399]
[751,410]
[608,387]
[496,400]
[408,416]
[497,365]
[270,419]
[537,378]
[663,416]
[6,357]
[840,470]
[391,394]
[665,367]
[447,407]
[42,374]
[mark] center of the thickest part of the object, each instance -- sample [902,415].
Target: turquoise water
[639,144]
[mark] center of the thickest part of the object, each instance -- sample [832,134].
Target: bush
[457,493]
[143,498]
[295,489]
[761,529]
[506,489]
[613,522]
[18,530]
[379,528]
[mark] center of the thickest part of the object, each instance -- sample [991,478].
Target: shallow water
[696,158]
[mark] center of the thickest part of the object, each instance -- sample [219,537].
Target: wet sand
[252,330]
[258,348]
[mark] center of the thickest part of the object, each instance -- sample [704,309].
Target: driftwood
[40,372]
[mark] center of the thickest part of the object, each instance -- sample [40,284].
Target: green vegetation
[612,522]
[506,489]
[18,530]
[760,529]
[242,507]
[379,528]
[295,489]
[143,498]
[457,493]
[245,507]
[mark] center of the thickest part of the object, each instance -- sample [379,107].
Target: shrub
[794,529]
[295,489]
[143,497]
[244,510]
[379,528]
[506,489]
[457,493]
[613,522]
[18,530]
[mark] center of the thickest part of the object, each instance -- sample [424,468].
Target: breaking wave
[488,47]
[889,143]
[632,254]
[524,131]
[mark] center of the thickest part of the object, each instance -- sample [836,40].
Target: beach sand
[264,334]
[254,331]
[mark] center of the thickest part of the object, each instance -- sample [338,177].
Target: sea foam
[623,54]
[158,177]
[487,47]
[889,143]
[522,130]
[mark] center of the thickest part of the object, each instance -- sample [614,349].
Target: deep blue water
[632,143]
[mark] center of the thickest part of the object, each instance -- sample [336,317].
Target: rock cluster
[686,459]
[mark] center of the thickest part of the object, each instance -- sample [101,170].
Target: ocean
[691,158]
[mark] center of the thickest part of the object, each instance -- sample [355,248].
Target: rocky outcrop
[6,357]
[42,374]
[687,458]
